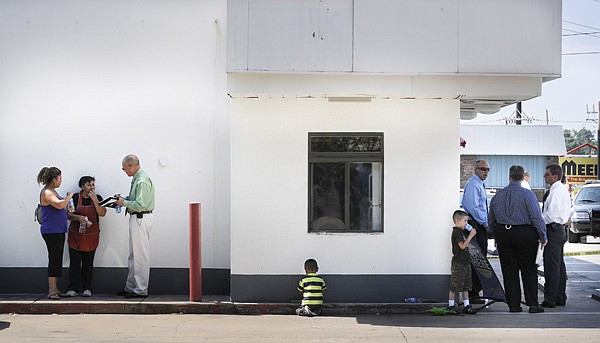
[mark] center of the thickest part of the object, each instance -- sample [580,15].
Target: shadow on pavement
[489,320]
[4,325]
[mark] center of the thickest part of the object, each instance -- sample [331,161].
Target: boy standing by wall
[311,287]
[460,277]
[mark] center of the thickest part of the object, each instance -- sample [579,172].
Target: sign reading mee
[579,169]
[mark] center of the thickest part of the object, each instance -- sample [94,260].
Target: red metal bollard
[195,253]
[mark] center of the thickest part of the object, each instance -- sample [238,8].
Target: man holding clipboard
[139,204]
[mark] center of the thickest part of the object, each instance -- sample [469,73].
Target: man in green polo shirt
[140,204]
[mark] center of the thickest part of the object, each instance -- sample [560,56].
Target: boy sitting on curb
[311,287]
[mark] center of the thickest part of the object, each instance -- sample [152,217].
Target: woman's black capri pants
[55,242]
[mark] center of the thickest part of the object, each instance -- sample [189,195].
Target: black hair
[458,214]
[85,179]
[555,169]
[311,264]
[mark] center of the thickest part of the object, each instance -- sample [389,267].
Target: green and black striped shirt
[312,287]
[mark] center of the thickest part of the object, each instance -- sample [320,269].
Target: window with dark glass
[345,182]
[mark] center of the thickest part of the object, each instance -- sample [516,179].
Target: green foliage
[575,138]
[437,311]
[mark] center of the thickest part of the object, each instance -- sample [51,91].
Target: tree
[575,138]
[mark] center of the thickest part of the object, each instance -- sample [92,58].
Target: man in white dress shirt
[556,211]
[526,178]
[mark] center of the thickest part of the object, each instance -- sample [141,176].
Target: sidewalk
[579,284]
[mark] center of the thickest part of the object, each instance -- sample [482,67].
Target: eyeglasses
[484,169]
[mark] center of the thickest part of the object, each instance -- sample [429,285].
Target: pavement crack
[398,327]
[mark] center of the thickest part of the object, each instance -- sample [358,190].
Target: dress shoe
[547,304]
[536,309]
[561,303]
[122,293]
[134,295]
[516,309]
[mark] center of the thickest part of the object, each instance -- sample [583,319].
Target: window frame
[347,158]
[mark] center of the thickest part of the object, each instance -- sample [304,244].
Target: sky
[565,99]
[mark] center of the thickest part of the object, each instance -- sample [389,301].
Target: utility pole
[597,138]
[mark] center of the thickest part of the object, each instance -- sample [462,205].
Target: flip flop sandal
[53,297]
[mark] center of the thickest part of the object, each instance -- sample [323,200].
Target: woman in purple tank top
[54,225]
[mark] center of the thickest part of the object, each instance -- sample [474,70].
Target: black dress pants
[482,240]
[555,272]
[517,248]
[81,269]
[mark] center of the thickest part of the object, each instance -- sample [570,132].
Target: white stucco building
[307,129]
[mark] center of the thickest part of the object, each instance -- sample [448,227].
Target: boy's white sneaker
[87,293]
[308,311]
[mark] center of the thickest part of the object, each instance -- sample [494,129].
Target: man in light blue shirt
[474,202]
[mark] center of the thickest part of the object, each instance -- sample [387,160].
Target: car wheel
[573,237]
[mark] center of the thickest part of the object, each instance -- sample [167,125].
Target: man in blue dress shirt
[516,220]
[474,202]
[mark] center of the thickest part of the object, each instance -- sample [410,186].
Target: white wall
[270,176]
[82,84]
[508,37]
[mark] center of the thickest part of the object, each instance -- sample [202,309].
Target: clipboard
[110,202]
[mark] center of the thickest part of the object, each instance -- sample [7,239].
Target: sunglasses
[484,169]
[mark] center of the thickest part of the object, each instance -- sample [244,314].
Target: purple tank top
[53,220]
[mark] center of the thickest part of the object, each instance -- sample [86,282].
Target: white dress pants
[138,261]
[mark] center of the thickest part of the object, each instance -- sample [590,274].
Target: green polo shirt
[141,194]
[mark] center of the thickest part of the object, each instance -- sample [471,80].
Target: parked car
[585,213]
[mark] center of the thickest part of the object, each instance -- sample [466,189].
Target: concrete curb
[580,253]
[147,306]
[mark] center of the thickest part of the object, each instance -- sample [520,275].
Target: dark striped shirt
[312,287]
[515,205]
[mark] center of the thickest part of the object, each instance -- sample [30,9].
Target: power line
[581,53]
[572,23]
[579,33]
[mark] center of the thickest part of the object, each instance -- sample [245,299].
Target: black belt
[510,227]
[140,214]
